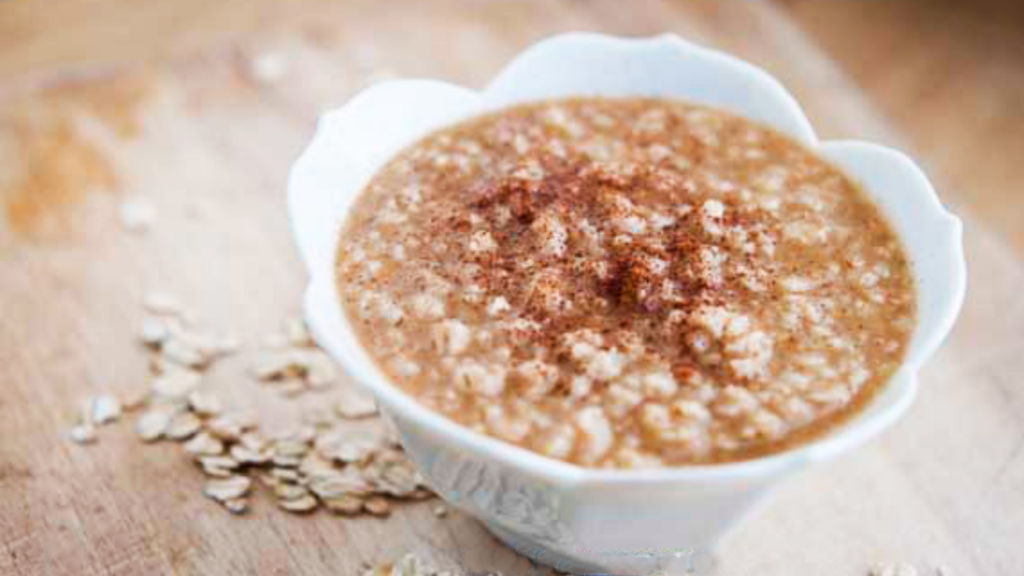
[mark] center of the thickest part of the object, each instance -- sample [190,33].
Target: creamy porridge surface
[626,283]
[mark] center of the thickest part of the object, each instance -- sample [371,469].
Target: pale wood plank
[212,148]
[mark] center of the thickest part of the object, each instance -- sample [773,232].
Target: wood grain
[209,144]
[954,87]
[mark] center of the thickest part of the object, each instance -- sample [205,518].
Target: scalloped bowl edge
[318,203]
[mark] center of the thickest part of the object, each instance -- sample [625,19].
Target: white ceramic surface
[617,522]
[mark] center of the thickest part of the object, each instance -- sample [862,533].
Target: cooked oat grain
[626,283]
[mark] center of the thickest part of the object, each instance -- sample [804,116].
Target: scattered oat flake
[204,444]
[177,383]
[219,461]
[153,331]
[348,447]
[296,369]
[297,334]
[315,466]
[204,403]
[137,214]
[346,505]
[205,347]
[348,472]
[220,466]
[320,370]
[268,480]
[440,511]
[236,505]
[247,455]
[183,426]
[82,434]
[285,474]
[276,366]
[104,409]
[354,405]
[231,426]
[215,471]
[228,488]
[179,351]
[287,491]
[159,365]
[333,484]
[253,441]
[283,461]
[152,425]
[303,504]
[290,448]
[398,479]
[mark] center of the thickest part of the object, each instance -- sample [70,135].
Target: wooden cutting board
[208,137]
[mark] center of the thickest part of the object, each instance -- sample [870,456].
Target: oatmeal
[626,283]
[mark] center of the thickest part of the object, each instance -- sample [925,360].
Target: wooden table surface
[103,100]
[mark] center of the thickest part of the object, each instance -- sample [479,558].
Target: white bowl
[583,520]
